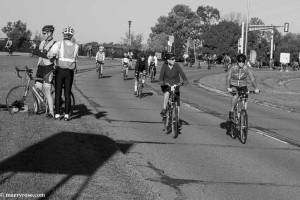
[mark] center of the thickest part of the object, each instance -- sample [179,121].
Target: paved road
[203,163]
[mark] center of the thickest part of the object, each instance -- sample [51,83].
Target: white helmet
[68,31]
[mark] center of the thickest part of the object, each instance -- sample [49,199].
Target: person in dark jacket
[170,73]
[141,66]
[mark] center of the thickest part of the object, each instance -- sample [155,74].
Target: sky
[107,21]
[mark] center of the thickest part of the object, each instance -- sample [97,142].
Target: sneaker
[57,116]
[49,116]
[135,93]
[66,117]
[163,113]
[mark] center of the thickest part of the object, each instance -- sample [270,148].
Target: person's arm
[252,78]
[53,52]
[103,57]
[149,60]
[228,77]
[182,75]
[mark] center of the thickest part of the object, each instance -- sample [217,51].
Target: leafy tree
[158,42]
[136,40]
[222,38]
[235,17]
[17,31]
[290,43]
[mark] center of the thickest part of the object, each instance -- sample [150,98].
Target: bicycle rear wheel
[233,125]
[243,128]
[175,121]
[169,120]
[16,102]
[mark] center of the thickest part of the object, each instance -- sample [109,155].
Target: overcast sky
[107,21]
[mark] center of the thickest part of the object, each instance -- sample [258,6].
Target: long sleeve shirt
[172,76]
[152,59]
[141,65]
[100,56]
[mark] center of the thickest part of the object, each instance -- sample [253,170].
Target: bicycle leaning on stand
[239,123]
[171,120]
[27,98]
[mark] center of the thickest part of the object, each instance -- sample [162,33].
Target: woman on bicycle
[170,73]
[100,57]
[152,63]
[237,79]
[141,66]
[46,66]
[66,53]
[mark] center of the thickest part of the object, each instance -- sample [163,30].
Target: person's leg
[135,85]
[59,81]
[101,66]
[68,87]
[47,89]
[126,71]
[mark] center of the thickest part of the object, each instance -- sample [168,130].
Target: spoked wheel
[124,74]
[152,76]
[243,128]
[16,102]
[140,90]
[62,102]
[175,121]
[168,121]
[233,124]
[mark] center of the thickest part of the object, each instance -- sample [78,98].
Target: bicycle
[152,78]
[171,120]
[140,85]
[26,98]
[99,66]
[125,71]
[239,122]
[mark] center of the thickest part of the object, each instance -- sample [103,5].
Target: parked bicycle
[27,98]
[239,122]
[171,120]
[140,85]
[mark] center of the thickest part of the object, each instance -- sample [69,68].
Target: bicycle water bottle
[40,93]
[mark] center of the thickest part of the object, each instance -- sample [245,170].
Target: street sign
[286,27]
[171,38]
[285,58]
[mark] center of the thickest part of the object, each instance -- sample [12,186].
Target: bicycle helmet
[241,58]
[169,56]
[48,28]
[68,31]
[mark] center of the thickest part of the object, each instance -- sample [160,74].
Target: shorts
[125,64]
[243,89]
[45,72]
[166,88]
[100,62]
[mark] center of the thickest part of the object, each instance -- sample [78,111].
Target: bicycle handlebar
[241,92]
[28,72]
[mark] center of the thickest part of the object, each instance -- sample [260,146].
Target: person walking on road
[66,54]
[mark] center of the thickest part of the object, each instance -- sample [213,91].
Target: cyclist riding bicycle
[125,63]
[237,79]
[170,73]
[8,46]
[130,55]
[45,66]
[152,63]
[100,57]
[141,66]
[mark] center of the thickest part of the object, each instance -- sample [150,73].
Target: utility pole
[129,23]
[247,27]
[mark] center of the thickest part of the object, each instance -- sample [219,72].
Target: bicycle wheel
[243,126]
[233,125]
[152,76]
[175,121]
[169,120]
[140,90]
[124,74]
[16,102]
[62,102]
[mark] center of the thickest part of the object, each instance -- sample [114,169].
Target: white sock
[135,88]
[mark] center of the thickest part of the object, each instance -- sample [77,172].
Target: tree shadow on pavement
[65,153]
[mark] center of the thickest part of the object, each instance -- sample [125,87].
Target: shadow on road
[67,153]
[79,111]
[105,77]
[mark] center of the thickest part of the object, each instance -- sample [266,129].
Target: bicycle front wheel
[243,128]
[140,90]
[175,121]
[18,102]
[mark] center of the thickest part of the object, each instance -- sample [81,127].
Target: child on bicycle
[237,79]
[170,73]
[46,67]
[100,57]
[125,62]
[141,66]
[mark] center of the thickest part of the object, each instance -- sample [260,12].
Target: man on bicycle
[226,61]
[130,55]
[100,57]
[46,66]
[140,67]
[8,46]
[237,79]
[170,73]
[152,63]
